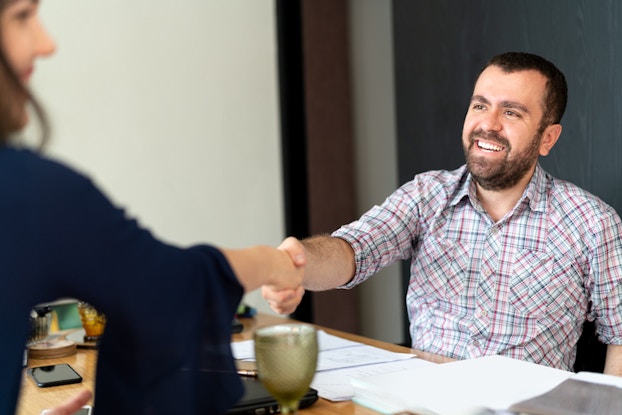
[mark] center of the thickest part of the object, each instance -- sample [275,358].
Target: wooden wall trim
[330,148]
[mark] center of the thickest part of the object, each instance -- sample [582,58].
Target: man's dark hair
[556,94]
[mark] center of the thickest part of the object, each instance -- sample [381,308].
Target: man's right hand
[286,301]
[328,263]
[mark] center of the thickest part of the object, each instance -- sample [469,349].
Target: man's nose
[491,121]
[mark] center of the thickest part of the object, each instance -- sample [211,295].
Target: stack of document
[583,393]
[341,360]
[391,383]
[457,388]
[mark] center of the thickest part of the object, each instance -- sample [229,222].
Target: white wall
[172,108]
[382,301]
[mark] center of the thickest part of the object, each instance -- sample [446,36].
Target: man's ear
[549,138]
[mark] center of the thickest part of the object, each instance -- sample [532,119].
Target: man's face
[501,134]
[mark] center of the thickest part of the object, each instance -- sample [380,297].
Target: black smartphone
[236,326]
[54,375]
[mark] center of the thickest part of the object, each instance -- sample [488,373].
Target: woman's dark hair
[12,90]
[556,95]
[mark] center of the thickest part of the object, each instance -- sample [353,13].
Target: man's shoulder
[435,184]
[442,179]
[566,192]
[570,197]
[431,191]
[444,175]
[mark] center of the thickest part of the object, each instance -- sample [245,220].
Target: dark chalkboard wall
[441,45]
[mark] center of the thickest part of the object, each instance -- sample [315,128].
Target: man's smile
[488,146]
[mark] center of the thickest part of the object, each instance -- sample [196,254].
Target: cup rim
[285,328]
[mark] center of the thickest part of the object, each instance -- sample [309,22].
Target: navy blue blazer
[166,345]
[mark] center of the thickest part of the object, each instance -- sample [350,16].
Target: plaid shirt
[520,287]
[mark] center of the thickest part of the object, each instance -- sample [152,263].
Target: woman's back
[62,237]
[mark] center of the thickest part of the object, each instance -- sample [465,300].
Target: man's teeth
[489,146]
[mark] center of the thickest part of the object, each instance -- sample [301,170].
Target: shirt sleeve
[606,277]
[384,234]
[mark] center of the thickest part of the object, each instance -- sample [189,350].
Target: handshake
[318,263]
[286,292]
[322,263]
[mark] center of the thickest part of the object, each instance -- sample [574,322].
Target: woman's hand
[285,301]
[281,269]
[72,405]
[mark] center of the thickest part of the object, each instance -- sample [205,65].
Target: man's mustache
[491,136]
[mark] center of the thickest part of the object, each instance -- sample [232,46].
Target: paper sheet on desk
[460,387]
[335,352]
[339,361]
[583,393]
[336,385]
[244,350]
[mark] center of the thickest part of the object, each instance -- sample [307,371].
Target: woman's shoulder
[33,165]
[32,175]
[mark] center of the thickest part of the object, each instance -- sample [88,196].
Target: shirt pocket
[440,270]
[532,283]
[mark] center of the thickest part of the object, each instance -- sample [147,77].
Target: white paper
[244,350]
[330,342]
[599,378]
[339,361]
[356,356]
[335,352]
[462,387]
[336,385]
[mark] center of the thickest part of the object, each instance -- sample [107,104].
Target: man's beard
[500,174]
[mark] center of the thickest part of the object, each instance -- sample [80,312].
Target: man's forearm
[330,262]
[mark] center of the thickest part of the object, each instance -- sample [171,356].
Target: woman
[166,347]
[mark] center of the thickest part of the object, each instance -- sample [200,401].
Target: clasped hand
[286,300]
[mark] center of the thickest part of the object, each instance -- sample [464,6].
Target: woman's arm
[329,264]
[263,265]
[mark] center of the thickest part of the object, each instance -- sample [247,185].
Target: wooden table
[323,406]
[33,399]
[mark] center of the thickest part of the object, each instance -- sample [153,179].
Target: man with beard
[505,259]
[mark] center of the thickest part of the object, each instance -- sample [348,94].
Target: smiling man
[505,259]
[507,127]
